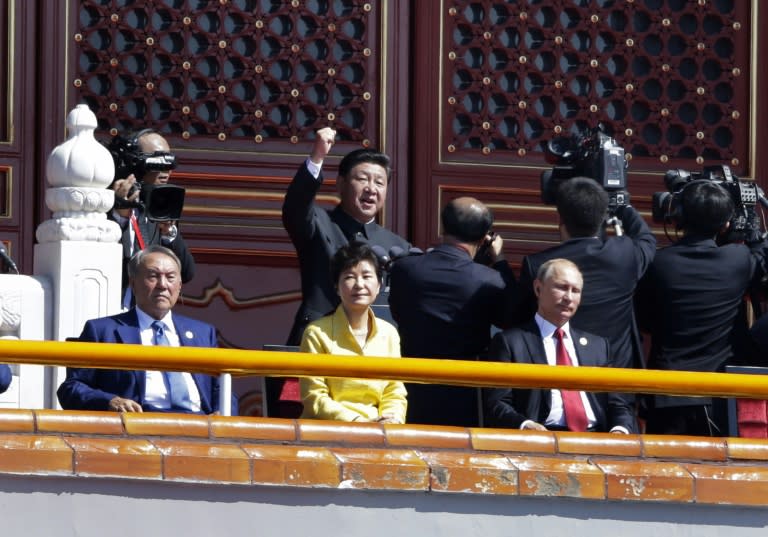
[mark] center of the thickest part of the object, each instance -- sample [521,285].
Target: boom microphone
[396,253]
[7,259]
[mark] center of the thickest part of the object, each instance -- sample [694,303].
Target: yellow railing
[458,372]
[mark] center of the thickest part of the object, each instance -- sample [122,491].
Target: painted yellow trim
[457,372]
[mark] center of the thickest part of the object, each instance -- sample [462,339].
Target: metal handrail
[456,372]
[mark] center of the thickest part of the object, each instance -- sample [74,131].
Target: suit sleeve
[77,392]
[506,297]
[299,205]
[397,289]
[179,247]
[524,298]
[394,401]
[499,403]
[5,377]
[644,240]
[621,406]
[644,301]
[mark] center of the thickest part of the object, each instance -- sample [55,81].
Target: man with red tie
[549,339]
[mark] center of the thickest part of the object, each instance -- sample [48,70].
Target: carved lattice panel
[246,70]
[668,78]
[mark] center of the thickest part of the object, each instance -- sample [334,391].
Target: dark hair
[467,220]
[582,205]
[351,255]
[360,156]
[705,208]
[138,258]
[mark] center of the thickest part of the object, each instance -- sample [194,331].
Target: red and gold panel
[242,71]
[675,83]
[669,79]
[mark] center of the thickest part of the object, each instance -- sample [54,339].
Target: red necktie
[575,415]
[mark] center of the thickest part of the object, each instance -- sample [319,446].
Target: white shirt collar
[547,329]
[146,320]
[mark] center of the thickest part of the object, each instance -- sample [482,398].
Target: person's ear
[537,288]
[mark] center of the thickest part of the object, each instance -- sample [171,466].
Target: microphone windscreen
[396,252]
[380,253]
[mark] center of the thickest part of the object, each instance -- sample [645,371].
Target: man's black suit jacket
[151,235]
[692,302]
[317,234]
[611,269]
[444,305]
[510,407]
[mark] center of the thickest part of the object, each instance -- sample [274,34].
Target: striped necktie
[178,393]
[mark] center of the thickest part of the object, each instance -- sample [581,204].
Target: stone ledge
[305,453]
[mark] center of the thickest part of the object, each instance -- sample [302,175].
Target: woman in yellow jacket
[353,330]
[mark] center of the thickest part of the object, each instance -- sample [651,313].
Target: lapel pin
[582,341]
[188,334]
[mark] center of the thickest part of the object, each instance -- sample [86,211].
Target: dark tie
[178,394]
[575,415]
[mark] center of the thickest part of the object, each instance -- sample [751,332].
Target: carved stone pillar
[78,249]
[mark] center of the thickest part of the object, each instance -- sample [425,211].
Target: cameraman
[611,266]
[445,303]
[692,302]
[138,230]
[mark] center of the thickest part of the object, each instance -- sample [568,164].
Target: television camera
[162,203]
[746,222]
[590,153]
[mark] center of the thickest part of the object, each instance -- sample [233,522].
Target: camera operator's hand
[168,230]
[496,250]
[122,188]
[323,143]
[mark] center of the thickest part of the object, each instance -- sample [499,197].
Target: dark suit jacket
[317,234]
[151,235]
[444,305]
[5,377]
[92,389]
[510,407]
[691,300]
[611,269]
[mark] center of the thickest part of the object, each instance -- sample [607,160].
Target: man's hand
[496,249]
[122,188]
[168,229]
[118,404]
[323,143]
[531,425]
[386,418]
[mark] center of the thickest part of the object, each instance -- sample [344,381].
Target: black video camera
[745,224]
[591,154]
[162,203]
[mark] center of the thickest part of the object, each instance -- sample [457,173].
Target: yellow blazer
[351,399]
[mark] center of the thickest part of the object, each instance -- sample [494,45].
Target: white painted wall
[65,507]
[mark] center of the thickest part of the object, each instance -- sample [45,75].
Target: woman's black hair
[351,255]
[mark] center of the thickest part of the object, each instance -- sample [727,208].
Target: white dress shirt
[556,413]
[156,392]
